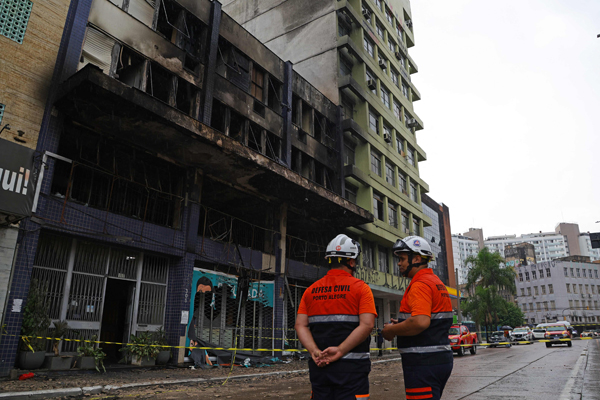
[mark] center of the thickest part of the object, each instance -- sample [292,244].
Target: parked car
[539,333]
[461,339]
[498,337]
[557,332]
[522,333]
[587,334]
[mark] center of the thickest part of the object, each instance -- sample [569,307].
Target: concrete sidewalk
[591,378]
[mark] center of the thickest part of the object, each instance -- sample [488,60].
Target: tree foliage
[511,315]
[35,318]
[486,279]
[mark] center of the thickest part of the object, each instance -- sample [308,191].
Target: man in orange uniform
[335,319]
[423,323]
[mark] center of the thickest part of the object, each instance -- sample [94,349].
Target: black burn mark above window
[131,68]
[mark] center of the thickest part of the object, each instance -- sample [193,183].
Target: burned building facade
[187,174]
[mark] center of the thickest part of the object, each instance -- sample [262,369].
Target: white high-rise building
[548,245]
[463,247]
[585,246]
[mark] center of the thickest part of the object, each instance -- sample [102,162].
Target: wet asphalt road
[528,371]
[522,372]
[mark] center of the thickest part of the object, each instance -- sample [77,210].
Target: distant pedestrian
[380,341]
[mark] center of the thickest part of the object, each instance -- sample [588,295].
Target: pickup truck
[460,335]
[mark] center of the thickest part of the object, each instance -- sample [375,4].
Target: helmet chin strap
[411,265]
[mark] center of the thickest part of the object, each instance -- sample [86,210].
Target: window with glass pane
[402,182]
[376,163]
[389,174]
[391,45]
[404,89]
[389,16]
[541,273]
[399,31]
[404,222]
[383,262]
[378,4]
[402,62]
[350,193]
[379,30]
[395,261]
[345,66]
[378,206]
[348,107]
[343,28]
[398,111]
[534,274]
[373,122]
[413,192]
[385,97]
[395,77]
[367,13]
[410,156]
[369,47]
[416,227]
[348,154]
[393,215]
[367,254]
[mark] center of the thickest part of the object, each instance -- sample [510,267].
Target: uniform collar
[338,272]
[422,272]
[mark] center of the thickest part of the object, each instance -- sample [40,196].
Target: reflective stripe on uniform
[440,315]
[333,318]
[425,349]
[357,356]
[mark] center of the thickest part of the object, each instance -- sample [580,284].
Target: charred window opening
[159,82]
[329,138]
[237,127]
[259,108]
[171,21]
[274,95]
[186,96]
[323,175]
[296,109]
[296,160]
[308,167]
[219,111]
[255,135]
[111,176]
[273,144]
[194,42]
[320,126]
[257,87]
[233,65]
[307,118]
[131,68]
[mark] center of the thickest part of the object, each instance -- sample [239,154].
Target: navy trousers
[426,381]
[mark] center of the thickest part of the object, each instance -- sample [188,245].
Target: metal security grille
[123,264]
[2,106]
[292,301]
[91,258]
[53,252]
[152,304]
[81,334]
[155,269]
[14,16]
[52,282]
[85,299]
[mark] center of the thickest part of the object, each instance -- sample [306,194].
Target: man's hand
[387,332]
[329,355]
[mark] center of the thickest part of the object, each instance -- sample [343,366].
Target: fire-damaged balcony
[108,107]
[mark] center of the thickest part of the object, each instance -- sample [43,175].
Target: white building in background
[585,246]
[463,247]
[548,245]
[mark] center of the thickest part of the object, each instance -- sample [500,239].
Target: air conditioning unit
[382,64]
[409,23]
[366,13]
[399,55]
[371,84]
[387,137]
[411,122]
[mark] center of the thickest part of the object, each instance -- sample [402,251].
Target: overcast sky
[511,107]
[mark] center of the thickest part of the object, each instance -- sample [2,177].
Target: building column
[286,143]
[278,301]
[211,63]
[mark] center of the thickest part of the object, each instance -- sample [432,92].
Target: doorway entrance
[117,316]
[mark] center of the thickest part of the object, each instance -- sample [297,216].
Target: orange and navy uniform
[427,357]
[333,305]
[426,295]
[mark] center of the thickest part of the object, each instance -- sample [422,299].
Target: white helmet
[343,246]
[413,244]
